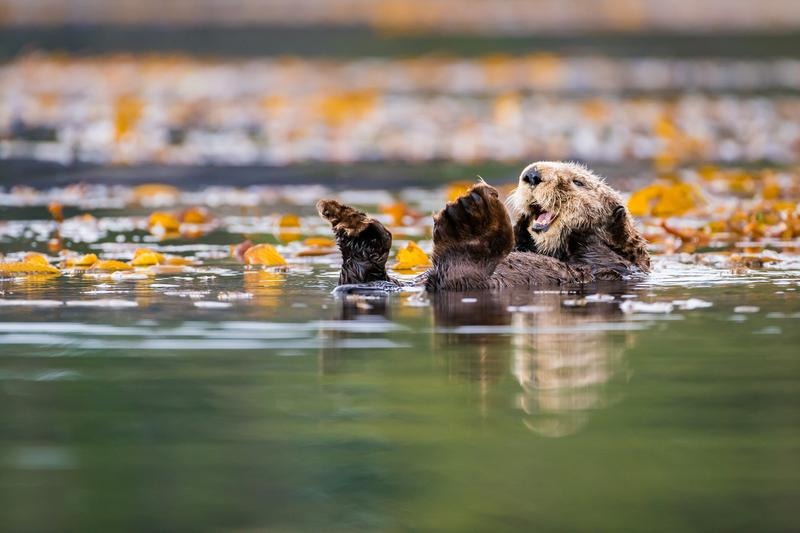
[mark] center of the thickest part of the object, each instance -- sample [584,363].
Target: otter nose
[532,177]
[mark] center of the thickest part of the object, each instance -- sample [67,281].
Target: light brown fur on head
[581,203]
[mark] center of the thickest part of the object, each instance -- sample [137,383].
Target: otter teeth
[543,221]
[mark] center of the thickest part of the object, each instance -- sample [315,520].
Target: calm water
[293,410]
[217,398]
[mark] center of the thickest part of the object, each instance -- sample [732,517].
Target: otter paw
[476,222]
[344,219]
[468,216]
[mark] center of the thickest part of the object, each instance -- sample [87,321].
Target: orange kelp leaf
[189,233]
[22,267]
[289,228]
[456,189]
[179,261]
[771,190]
[35,259]
[127,111]
[546,69]
[708,172]
[666,160]
[85,218]
[397,211]
[33,263]
[165,220]
[313,251]
[55,244]
[167,269]
[289,221]
[316,246]
[665,128]
[411,257]
[740,262]
[110,266]
[338,108]
[263,254]
[664,199]
[155,193]
[741,183]
[196,215]
[319,241]
[56,211]
[498,69]
[691,239]
[84,261]
[146,257]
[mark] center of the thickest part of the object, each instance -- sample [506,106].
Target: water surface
[225,400]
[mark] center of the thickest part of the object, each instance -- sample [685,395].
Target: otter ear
[625,238]
[523,242]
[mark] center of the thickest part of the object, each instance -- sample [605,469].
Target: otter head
[556,201]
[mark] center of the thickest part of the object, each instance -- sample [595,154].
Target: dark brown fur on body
[570,229]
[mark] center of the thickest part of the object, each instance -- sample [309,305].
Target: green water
[293,410]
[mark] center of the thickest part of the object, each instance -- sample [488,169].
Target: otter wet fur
[564,226]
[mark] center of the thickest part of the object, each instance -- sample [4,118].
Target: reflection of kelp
[266,287]
[560,360]
[31,287]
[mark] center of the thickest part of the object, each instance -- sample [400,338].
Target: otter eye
[579,183]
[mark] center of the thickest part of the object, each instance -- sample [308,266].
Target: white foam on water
[31,303]
[692,303]
[634,306]
[212,305]
[111,303]
[599,297]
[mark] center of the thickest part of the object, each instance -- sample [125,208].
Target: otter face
[561,199]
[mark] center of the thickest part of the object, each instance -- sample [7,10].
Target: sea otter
[569,228]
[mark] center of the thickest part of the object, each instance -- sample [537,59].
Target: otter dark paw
[476,223]
[363,241]
[626,240]
[343,218]
[523,241]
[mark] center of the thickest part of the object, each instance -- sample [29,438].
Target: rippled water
[225,400]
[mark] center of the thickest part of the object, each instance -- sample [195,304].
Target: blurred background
[390,91]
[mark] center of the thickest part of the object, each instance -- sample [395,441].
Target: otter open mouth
[542,218]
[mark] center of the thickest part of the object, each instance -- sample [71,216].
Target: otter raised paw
[363,241]
[470,237]
[475,225]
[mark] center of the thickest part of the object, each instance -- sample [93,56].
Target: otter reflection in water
[561,358]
